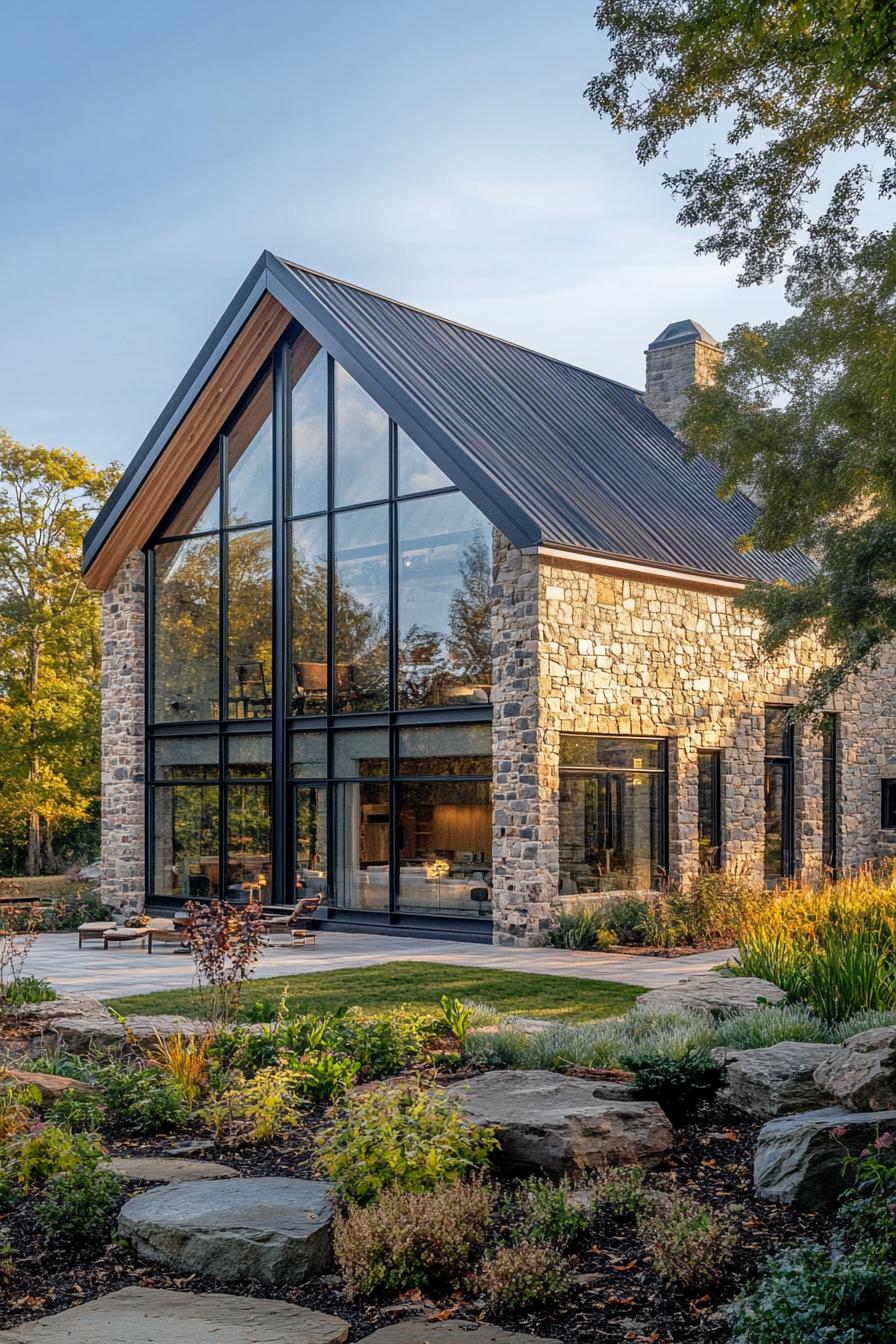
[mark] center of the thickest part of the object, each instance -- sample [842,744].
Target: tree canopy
[802,413]
[49,650]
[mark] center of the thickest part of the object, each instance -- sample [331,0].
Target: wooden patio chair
[294,923]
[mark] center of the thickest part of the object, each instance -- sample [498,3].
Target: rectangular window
[830,794]
[311,841]
[185,626]
[444,603]
[185,840]
[888,804]
[248,842]
[778,793]
[361,838]
[361,610]
[445,847]
[308,592]
[249,616]
[612,813]
[709,809]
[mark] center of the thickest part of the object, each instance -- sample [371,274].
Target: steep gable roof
[553,455]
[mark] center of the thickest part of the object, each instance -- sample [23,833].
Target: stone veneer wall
[576,651]
[123,746]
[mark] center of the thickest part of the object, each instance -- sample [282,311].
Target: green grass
[43,888]
[419,984]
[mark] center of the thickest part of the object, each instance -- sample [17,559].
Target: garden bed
[618,1296]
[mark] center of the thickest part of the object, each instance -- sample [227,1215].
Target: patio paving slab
[107,975]
[162,1316]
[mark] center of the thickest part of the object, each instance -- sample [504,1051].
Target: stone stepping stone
[167,1170]
[450,1332]
[272,1229]
[776,1079]
[162,1316]
[547,1120]
[712,994]
[799,1158]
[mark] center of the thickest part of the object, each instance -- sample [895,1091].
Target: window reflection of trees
[186,587]
[249,656]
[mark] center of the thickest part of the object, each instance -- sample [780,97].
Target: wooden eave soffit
[189,442]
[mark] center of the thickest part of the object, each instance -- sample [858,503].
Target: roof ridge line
[463,326]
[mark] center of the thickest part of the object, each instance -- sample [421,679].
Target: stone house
[441,630]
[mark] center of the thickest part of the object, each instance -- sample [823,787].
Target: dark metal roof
[552,454]
[682,333]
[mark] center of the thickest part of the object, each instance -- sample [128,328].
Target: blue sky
[440,153]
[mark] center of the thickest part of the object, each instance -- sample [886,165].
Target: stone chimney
[682,354]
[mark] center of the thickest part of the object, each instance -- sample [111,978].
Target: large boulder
[799,1158]
[51,1086]
[161,1316]
[78,1023]
[777,1079]
[712,994]
[270,1228]
[450,1332]
[71,1022]
[546,1120]
[862,1072]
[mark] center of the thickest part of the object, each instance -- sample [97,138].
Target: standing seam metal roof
[581,455]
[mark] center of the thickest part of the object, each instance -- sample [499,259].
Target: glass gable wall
[318,688]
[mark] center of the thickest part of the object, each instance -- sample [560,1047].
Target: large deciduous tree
[802,414]
[49,648]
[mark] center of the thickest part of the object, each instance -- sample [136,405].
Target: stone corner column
[122,793]
[525,842]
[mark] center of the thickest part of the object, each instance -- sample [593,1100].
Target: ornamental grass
[832,948]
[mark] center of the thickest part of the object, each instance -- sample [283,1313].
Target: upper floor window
[387,575]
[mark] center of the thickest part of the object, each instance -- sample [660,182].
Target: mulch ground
[618,1295]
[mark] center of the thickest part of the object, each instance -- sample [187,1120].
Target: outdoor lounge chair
[294,923]
[93,930]
[156,931]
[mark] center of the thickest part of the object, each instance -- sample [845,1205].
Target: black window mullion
[281,865]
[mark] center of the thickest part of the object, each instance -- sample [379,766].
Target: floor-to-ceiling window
[612,812]
[320,662]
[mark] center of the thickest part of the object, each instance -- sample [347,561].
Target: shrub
[18,1106]
[79,1111]
[625,916]
[404,1241]
[865,1021]
[225,941]
[596,1045]
[525,1276]
[678,1085]
[323,1077]
[583,927]
[143,1098]
[504,1048]
[65,913]
[688,1242]
[551,1213]
[410,1138]
[28,989]
[79,1207]
[769,1024]
[805,1293]
[254,1110]
[33,1159]
[64,1065]
[623,1189]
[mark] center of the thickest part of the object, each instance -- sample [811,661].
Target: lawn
[419,984]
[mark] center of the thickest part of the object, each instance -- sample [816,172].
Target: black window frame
[888,804]
[282,723]
[661,769]
[713,757]
[830,794]
[786,761]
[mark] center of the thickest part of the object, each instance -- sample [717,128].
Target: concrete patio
[128,970]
